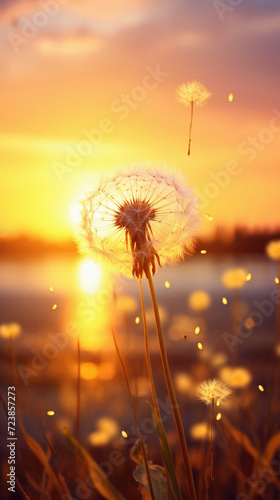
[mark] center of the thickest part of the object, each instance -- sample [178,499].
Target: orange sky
[70,72]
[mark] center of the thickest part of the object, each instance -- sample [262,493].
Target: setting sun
[89,274]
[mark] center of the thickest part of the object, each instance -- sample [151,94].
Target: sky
[90,86]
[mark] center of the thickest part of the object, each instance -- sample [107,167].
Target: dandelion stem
[147,352]
[235,317]
[211,439]
[77,422]
[150,375]
[190,129]
[277,336]
[136,419]
[171,392]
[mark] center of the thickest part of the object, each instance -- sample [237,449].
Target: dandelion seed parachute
[213,389]
[194,92]
[139,218]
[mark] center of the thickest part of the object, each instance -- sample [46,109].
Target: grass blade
[166,454]
[99,479]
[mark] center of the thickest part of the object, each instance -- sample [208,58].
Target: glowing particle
[124,434]
[219,416]
[54,307]
[276,280]
[208,217]
[51,289]
[230,97]
[167,284]
[224,301]
[218,402]
[137,320]
[248,277]
[197,330]
[50,413]
[185,336]
[203,252]
[260,387]
[200,346]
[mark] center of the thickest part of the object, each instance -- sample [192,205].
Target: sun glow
[89,273]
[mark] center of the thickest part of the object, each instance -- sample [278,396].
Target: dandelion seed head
[194,92]
[273,249]
[234,278]
[213,389]
[139,218]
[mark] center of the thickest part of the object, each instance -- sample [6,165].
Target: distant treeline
[240,242]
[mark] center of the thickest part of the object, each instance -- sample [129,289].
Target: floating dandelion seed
[190,94]
[276,280]
[124,434]
[167,284]
[224,301]
[197,330]
[260,387]
[203,252]
[230,97]
[219,416]
[54,307]
[51,289]
[200,346]
[213,389]
[137,320]
[50,413]
[137,220]
[248,277]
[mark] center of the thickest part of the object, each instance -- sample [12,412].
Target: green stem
[190,129]
[171,392]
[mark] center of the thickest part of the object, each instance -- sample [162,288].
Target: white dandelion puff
[138,219]
[213,390]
